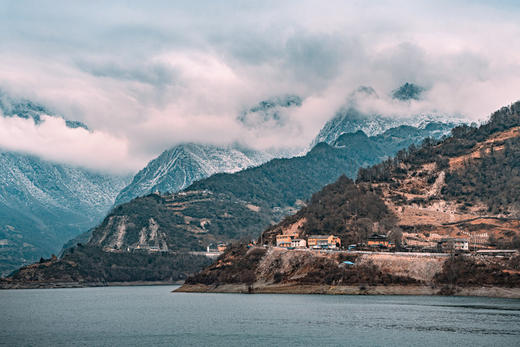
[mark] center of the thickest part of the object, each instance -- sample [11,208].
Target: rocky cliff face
[178,167]
[408,91]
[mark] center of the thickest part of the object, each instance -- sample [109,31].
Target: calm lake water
[136,316]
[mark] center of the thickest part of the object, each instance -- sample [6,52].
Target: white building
[454,244]
[298,243]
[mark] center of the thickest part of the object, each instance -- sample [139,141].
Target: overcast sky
[146,75]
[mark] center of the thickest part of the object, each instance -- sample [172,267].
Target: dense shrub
[328,272]
[494,180]
[344,209]
[464,271]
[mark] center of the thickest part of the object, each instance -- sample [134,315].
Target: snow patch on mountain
[178,167]
[44,204]
[350,118]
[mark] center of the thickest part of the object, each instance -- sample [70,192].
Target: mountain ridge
[44,204]
[178,167]
[226,206]
[350,118]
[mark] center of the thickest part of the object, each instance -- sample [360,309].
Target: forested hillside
[227,207]
[343,209]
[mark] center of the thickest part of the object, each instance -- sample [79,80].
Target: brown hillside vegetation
[494,143]
[466,186]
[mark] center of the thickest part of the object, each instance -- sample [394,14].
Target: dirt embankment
[487,291]
[297,263]
[419,267]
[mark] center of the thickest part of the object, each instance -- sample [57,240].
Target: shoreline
[56,285]
[412,290]
[481,291]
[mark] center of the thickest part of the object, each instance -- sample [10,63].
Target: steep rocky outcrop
[408,91]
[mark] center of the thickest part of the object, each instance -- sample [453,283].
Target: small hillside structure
[452,244]
[324,241]
[298,243]
[380,241]
[283,240]
[211,248]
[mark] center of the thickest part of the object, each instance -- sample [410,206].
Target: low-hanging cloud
[147,76]
[54,141]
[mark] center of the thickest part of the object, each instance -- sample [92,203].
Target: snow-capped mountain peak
[178,167]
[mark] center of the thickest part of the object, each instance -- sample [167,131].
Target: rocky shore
[483,291]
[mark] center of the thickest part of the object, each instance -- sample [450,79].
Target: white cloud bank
[54,141]
[146,76]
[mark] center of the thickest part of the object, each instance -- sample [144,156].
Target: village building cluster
[373,242]
[293,240]
[313,241]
